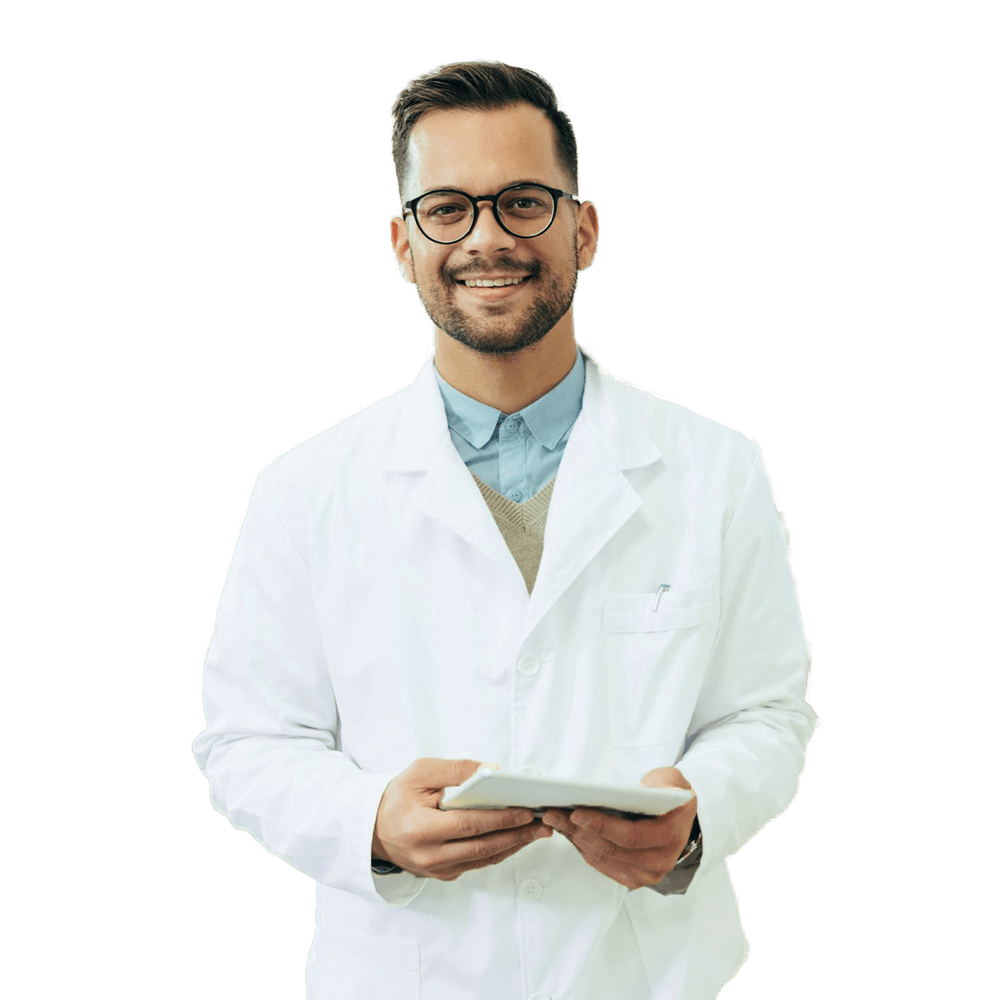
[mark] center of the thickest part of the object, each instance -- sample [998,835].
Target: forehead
[482,151]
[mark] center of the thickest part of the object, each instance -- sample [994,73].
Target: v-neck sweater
[522,526]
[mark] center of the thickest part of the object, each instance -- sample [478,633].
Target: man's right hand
[410,830]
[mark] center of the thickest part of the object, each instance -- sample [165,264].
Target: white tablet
[489,789]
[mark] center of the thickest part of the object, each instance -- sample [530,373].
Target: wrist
[378,848]
[381,867]
[380,860]
[693,845]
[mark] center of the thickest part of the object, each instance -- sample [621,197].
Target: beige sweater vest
[522,526]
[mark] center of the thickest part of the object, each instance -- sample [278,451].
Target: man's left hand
[634,853]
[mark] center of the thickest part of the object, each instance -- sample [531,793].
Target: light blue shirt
[518,453]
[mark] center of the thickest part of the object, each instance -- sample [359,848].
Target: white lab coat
[373,614]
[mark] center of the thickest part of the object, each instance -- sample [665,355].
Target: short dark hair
[479,86]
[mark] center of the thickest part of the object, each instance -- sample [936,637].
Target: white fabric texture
[373,614]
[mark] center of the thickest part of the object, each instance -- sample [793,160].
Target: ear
[400,236]
[586,233]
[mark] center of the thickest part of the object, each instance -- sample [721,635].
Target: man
[516,560]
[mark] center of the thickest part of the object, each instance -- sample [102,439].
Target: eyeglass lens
[447,216]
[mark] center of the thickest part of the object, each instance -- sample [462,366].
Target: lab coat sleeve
[270,750]
[746,743]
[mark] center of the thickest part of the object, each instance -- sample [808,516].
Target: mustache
[531,268]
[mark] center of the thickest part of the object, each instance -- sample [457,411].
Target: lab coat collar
[591,500]
[447,493]
[423,428]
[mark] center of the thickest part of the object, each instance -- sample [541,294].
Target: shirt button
[514,425]
[515,495]
[528,664]
[530,889]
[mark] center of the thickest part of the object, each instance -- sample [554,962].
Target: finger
[480,851]
[625,833]
[633,869]
[632,834]
[435,773]
[485,863]
[596,849]
[450,874]
[463,824]
[626,875]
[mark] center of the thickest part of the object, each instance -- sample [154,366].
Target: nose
[487,236]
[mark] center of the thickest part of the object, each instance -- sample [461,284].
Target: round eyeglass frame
[410,206]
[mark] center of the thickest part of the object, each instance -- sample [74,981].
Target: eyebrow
[502,188]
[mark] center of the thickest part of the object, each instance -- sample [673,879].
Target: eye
[526,203]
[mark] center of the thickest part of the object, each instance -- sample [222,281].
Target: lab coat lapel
[592,498]
[448,493]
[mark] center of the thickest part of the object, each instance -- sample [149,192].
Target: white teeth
[487,283]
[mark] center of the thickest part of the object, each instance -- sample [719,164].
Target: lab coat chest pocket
[656,661]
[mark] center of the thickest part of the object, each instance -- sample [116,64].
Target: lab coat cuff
[712,851]
[400,888]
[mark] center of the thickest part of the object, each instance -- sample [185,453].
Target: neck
[507,382]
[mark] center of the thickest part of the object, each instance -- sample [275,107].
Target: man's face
[482,152]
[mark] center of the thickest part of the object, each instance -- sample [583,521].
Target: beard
[492,334]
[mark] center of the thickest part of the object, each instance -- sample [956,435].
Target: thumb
[664,777]
[434,772]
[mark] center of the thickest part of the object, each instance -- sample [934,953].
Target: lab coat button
[528,664]
[530,889]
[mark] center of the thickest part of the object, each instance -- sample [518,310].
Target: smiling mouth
[491,282]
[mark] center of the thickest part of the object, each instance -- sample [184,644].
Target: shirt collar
[548,417]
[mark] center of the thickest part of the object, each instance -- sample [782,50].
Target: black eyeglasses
[522,210]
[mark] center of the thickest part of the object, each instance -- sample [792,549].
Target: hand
[410,831]
[637,852]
